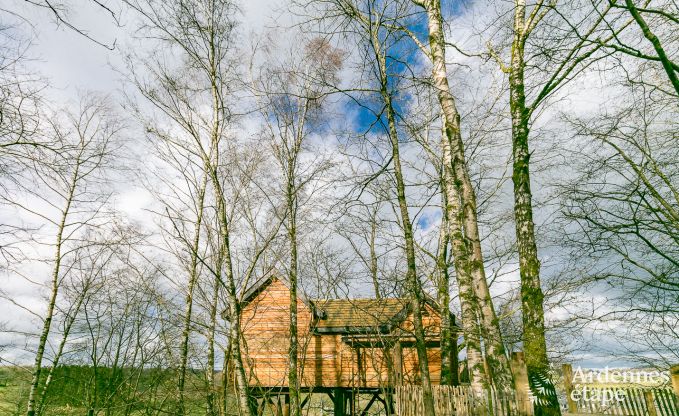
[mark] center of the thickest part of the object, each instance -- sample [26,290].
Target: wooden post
[340,402]
[286,405]
[352,403]
[254,403]
[521,386]
[674,374]
[398,364]
[650,404]
[389,402]
[278,406]
[261,405]
[568,384]
[454,360]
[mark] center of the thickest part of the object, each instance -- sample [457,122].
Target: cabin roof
[340,315]
[346,315]
[263,282]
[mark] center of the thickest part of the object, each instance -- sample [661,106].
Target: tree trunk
[532,297]
[210,374]
[211,164]
[60,351]
[234,306]
[462,187]
[374,268]
[193,277]
[293,382]
[413,283]
[42,342]
[469,305]
[443,284]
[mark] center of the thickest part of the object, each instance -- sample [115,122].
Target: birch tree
[573,51]
[656,22]
[181,184]
[195,99]
[290,95]
[371,24]
[462,216]
[66,183]
[621,210]
[88,268]
[202,34]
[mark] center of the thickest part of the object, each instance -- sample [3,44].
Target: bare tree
[60,12]
[622,208]
[67,183]
[462,215]
[371,23]
[290,96]
[657,21]
[202,33]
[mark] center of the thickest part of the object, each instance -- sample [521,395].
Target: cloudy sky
[75,64]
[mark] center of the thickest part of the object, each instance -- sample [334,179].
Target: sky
[75,64]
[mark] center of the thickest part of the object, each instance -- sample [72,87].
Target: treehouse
[346,346]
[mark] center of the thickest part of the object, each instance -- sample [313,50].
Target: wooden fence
[454,401]
[582,399]
[460,401]
[626,401]
[621,400]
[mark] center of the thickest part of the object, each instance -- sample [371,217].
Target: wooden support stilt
[286,405]
[278,406]
[650,403]
[388,402]
[397,359]
[254,403]
[370,403]
[339,402]
[261,405]
[305,401]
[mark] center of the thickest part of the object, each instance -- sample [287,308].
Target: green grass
[128,392]
[14,382]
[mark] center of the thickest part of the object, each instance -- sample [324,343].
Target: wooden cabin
[357,344]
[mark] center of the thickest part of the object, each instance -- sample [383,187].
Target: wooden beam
[352,402]
[286,405]
[305,401]
[388,402]
[398,364]
[278,407]
[261,405]
[370,403]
